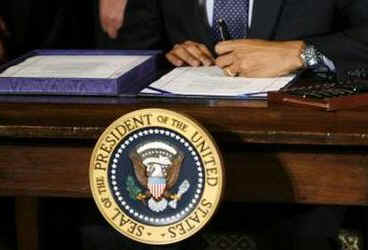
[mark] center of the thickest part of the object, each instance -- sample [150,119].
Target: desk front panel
[278,154]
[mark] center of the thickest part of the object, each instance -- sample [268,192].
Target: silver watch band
[311,57]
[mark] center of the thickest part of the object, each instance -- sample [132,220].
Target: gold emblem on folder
[156,176]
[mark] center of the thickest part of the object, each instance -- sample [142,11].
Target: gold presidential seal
[156,176]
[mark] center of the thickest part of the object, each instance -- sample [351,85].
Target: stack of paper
[79,72]
[83,66]
[211,81]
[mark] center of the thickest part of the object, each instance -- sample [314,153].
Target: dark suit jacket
[338,28]
[141,29]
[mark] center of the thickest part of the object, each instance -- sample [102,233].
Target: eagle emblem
[157,167]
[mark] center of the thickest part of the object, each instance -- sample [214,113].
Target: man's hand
[190,53]
[112,16]
[259,58]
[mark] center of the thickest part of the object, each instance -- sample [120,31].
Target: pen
[225,35]
[224,32]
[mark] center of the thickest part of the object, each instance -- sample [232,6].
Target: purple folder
[129,83]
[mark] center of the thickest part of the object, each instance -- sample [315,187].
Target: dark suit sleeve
[142,28]
[347,48]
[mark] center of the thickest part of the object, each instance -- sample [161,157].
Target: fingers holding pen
[225,60]
[229,64]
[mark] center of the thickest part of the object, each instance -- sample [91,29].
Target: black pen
[224,32]
[225,35]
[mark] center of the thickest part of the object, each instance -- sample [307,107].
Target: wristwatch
[311,57]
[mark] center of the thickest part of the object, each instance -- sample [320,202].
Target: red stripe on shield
[157,190]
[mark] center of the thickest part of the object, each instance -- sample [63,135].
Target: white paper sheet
[149,91]
[67,66]
[211,81]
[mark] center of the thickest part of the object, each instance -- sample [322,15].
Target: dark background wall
[59,24]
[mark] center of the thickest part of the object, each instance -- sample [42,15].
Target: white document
[150,91]
[211,81]
[70,66]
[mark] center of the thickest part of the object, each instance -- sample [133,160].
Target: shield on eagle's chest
[156,185]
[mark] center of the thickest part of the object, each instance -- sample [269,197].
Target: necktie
[235,15]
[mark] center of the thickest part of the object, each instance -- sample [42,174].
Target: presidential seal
[156,176]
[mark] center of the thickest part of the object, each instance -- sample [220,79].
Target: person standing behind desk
[279,32]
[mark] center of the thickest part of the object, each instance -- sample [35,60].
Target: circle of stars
[120,198]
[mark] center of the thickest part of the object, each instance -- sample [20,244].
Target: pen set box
[79,72]
[327,96]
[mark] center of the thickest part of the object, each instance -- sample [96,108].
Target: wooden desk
[274,154]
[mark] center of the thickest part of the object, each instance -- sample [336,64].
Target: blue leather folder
[129,83]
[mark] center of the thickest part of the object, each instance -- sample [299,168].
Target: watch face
[313,61]
[311,56]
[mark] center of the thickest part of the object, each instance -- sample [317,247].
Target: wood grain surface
[231,122]
[269,175]
[277,154]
